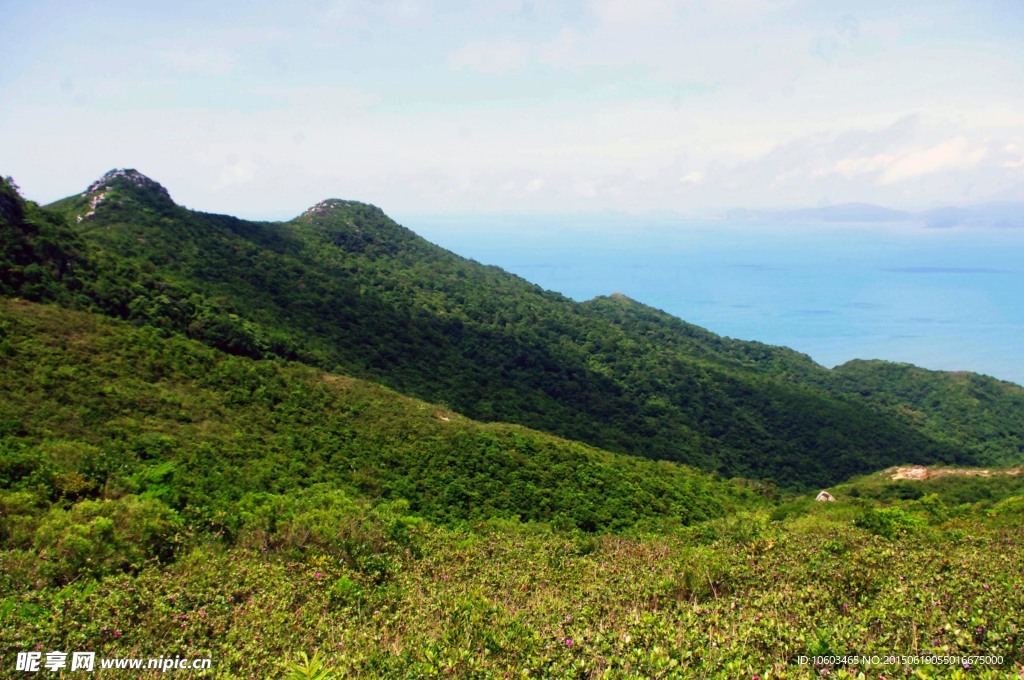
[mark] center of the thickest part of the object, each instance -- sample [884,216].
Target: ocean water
[945,299]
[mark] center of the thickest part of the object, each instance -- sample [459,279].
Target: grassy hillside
[375,594]
[344,288]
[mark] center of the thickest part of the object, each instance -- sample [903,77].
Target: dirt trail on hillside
[921,473]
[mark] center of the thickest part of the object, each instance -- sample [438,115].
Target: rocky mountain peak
[126,176]
[324,207]
[126,181]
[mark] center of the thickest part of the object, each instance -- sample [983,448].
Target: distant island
[997,215]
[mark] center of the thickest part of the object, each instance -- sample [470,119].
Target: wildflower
[568,642]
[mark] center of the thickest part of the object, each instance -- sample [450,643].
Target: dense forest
[95,409]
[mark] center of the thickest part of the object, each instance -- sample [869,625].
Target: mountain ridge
[343,287]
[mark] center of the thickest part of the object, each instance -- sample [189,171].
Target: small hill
[845,212]
[976,413]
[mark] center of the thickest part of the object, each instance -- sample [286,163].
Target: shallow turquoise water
[943,299]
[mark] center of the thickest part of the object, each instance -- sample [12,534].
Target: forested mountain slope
[344,288]
[977,413]
[93,408]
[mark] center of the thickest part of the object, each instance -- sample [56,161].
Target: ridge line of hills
[345,289]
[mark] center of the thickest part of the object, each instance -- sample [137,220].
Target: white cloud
[631,12]
[626,104]
[505,55]
[361,13]
[861,165]
[559,50]
[954,154]
[201,61]
[235,173]
[1012,157]
[495,57]
[320,101]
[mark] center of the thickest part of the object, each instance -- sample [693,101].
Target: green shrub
[18,510]
[99,537]
[1011,508]
[890,522]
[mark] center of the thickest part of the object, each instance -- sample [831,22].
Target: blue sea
[945,299]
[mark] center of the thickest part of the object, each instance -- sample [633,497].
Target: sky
[261,109]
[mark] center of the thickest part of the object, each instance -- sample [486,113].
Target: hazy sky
[262,108]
